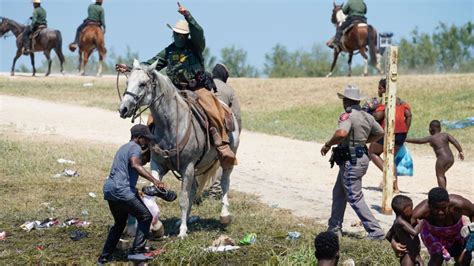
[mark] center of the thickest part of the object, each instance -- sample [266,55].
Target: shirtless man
[440,143]
[441,230]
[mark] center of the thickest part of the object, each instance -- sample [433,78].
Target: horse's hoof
[225,220]
[12,74]
[47,74]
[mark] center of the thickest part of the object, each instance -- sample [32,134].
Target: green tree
[454,45]
[236,61]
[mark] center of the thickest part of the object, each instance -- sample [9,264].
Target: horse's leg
[350,64]
[47,54]
[366,61]
[59,52]
[32,56]
[334,60]
[79,66]
[226,217]
[85,59]
[18,54]
[101,51]
[185,200]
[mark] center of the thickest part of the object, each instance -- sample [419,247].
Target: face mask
[180,39]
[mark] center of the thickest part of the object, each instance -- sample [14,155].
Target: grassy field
[29,192]
[303,108]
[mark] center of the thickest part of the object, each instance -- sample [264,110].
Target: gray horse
[178,133]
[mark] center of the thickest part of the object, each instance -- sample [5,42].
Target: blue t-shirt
[122,178]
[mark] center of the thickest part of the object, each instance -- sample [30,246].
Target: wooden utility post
[390,99]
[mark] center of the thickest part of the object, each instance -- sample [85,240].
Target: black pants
[120,211]
[26,35]
[349,20]
[80,28]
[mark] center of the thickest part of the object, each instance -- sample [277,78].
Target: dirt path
[284,172]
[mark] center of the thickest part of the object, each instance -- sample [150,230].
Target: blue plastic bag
[404,162]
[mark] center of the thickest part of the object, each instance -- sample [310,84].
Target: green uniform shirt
[182,64]
[39,17]
[355,8]
[360,126]
[96,13]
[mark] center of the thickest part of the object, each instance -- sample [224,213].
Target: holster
[341,154]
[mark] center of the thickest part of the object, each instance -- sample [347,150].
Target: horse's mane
[165,82]
[16,24]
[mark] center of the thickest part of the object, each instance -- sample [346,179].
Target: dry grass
[27,188]
[302,108]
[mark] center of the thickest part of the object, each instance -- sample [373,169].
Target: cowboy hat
[181,27]
[36,1]
[351,92]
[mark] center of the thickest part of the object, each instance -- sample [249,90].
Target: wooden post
[390,98]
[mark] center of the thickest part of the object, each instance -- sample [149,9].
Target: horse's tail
[59,46]
[372,41]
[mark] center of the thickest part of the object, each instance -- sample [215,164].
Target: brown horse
[356,37]
[92,37]
[45,41]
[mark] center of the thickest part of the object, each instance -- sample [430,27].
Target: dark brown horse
[46,40]
[92,37]
[356,38]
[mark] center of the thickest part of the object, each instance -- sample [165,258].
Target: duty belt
[341,154]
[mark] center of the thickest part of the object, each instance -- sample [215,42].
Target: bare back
[440,144]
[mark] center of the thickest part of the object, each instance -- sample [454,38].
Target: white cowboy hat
[181,27]
[36,1]
[351,92]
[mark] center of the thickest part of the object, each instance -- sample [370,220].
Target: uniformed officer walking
[37,19]
[355,129]
[95,13]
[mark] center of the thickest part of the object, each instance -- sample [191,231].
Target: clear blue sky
[254,25]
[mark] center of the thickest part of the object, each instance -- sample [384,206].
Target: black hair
[326,245]
[437,195]
[399,202]
[383,82]
[220,72]
[435,123]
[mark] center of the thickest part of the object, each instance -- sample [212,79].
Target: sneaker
[139,257]
[376,237]
[103,259]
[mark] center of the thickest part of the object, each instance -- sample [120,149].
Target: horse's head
[140,85]
[337,15]
[3,26]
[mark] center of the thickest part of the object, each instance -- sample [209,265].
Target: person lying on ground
[404,232]
[439,141]
[441,230]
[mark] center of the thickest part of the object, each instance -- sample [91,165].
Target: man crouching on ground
[121,194]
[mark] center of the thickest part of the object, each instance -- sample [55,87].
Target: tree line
[447,49]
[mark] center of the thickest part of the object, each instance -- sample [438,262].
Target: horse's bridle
[139,98]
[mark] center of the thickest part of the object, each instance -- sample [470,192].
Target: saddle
[91,23]
[37,32]
[357,23]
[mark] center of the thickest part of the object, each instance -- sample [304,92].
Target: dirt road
[284,172]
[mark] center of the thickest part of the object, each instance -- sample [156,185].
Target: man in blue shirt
[121,194]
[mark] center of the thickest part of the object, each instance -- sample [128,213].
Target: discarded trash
[89,84]
[28,226]
[223,240]
[85,213]
[40,247]
[348,262]
[467,122]
[293,235]
[71,221]
[274,206]
[83,224]
[77,235]
[248,239]
[222,248]
[92,195]
[65,161]
[57,175]
[47,223]
[70,173]
[3,235]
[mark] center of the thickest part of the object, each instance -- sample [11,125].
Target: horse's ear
[136,64]
[153,66]
[334,3]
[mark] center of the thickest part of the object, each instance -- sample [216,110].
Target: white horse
[181,141]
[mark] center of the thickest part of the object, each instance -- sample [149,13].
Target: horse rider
[95,14]
[355,129]
[355,11]
[37,19]
[184,64]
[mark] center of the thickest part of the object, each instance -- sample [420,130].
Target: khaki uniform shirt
[360,126]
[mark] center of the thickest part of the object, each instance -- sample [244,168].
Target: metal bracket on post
[390,98]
